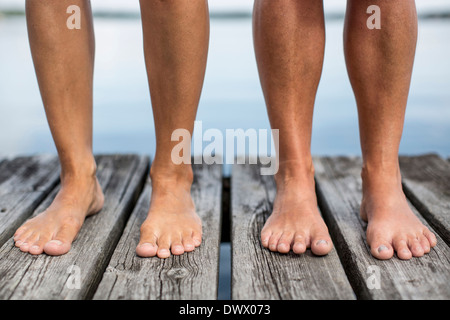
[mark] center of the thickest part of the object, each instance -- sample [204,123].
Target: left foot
[392,226]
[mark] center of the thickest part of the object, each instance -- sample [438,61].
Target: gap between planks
[403,281]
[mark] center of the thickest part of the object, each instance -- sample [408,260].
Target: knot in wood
[177,273]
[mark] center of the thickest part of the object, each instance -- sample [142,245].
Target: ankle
[78,171]
[292,172]
[171,174]
[381,174]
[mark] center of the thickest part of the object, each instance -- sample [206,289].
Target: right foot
[54,230]
[172,226]
[295,223]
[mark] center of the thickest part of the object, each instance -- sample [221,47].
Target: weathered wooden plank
[339,191]
[193,275]
[43,277]
[426,181]
[258,273]
[24,183]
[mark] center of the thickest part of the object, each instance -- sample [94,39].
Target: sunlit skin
[64,62]
[176,36]
[289,37]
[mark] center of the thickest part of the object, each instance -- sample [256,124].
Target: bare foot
[392,226]
[295,222]
[54,230]
[172,226]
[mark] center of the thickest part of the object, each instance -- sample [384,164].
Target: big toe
[321,245]
[147,246]
[57,247]
[146,250]
[381,249]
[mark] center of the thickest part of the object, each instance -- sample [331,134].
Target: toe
[415,247]
[147,246]
[188,242]
[273,241]
[402,249]
[28,242]
[57,247]
[176,246]
[431,237]
[284,244]
[62,241]
[18,242]
[20,232]
[163,247]
[381,249]
[424,243]
[38,247]
[265,236]
[21,239]
[197,238]
[299,246]
[146,249]
[321,244]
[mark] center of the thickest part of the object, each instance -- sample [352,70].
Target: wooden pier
[104,261]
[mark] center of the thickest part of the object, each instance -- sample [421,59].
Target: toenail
[19,243]
[321,242]
[35,247]
[382,248]
[57,242]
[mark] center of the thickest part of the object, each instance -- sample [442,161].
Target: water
[231,99]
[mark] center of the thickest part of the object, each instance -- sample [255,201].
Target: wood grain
[426,181]
[24,183]
[258,273]
[339,192]
[43,277]
[193,275]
